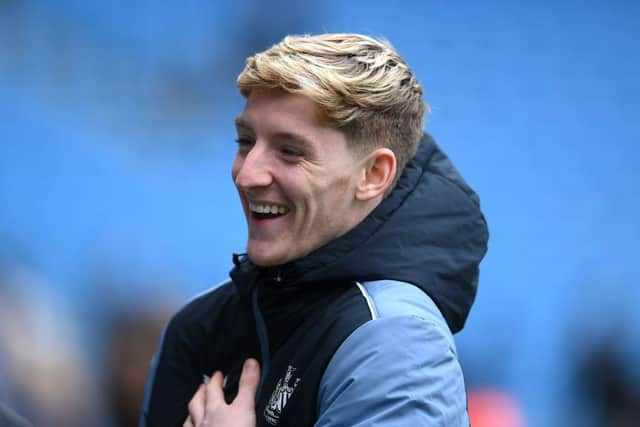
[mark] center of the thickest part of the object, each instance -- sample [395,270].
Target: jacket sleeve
[393,371]
[171,382]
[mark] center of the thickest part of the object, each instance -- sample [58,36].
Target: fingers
[249,380]
[196,407]
[214,391]
[208,404]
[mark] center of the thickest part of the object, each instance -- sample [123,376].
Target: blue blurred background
[116,203]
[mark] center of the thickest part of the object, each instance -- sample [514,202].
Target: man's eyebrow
[293,138]
[242,123]
[281,136]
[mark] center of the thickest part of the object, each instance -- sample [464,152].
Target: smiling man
[361,259]
[293,171]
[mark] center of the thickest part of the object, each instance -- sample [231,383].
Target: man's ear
[379,171]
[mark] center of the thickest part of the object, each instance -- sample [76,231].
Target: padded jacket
[357,333]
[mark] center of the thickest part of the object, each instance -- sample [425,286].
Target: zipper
[263,338]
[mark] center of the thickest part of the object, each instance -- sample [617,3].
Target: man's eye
[290,152]
[243,141]
[244,145]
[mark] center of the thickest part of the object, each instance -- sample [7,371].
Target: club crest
[283,391]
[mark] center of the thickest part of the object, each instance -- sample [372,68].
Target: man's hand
[208,407]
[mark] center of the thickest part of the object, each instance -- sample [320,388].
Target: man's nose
[255,169]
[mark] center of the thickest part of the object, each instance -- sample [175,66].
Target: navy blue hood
[429,231]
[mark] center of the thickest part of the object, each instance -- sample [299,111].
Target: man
[362,256]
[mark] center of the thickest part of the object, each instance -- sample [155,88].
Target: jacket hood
[429,231]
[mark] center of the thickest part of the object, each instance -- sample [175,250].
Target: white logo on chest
[280,396]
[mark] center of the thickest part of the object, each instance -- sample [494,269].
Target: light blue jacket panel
[399,369]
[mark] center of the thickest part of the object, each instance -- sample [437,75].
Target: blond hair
[361,85]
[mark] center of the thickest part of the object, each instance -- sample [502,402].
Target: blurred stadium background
[116,203]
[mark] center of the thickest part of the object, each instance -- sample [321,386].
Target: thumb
[249,380]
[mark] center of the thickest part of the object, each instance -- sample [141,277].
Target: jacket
[357,333]
[8,418]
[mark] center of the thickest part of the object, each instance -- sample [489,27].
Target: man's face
[295,175]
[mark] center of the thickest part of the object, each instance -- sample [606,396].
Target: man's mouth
[267,210]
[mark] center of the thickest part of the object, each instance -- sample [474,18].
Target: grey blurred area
[9,418]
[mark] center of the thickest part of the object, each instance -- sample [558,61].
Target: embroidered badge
[284,389]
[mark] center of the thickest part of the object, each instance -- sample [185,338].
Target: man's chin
[265,259]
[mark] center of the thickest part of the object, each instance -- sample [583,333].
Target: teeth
[272,209]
